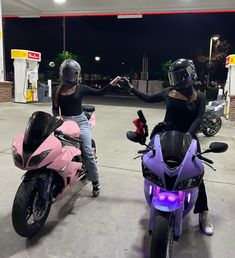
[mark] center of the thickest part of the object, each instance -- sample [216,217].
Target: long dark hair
[58,90]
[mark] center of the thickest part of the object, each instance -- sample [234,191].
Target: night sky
[160,37]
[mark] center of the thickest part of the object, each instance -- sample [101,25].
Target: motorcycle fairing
[64,164]
[189,167]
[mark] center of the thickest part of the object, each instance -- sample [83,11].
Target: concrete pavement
[115,224]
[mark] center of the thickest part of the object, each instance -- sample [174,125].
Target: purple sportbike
[173,169]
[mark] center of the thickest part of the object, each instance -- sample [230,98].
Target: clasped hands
[121,80]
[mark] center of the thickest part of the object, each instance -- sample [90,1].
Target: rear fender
[92,120]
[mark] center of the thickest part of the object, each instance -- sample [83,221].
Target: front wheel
[162,236]
[29,212]
[214,124]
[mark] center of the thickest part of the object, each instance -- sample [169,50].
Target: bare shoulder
[177,95]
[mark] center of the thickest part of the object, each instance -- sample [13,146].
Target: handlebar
[205,159]
[141,116]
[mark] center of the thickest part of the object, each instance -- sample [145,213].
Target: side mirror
[134,137]
[218,147]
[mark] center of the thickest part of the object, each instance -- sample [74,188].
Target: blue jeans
[87,151]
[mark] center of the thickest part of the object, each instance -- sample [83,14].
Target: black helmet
[69,72]
[182,71]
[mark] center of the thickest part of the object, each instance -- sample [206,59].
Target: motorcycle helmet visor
[179,76]
[70,75]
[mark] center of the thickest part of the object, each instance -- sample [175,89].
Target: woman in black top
[184,112]
[67,102]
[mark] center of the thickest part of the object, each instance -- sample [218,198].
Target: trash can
[43,92]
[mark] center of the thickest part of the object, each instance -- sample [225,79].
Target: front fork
[44,183]
[45,188]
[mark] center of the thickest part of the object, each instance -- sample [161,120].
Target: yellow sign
[25,54]
[230,60]
[17,53]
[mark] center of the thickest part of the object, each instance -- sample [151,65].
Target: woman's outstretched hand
[124,82]
[127,82]
[115,81]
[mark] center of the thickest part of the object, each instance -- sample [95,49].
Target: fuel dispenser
[26,65]
[230,87]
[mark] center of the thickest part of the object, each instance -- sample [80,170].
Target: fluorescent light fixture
[29,16]
[129,16]
[59,1]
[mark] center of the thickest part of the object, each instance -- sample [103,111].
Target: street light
[215,38]
[97,58]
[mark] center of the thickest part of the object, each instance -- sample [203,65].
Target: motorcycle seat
[209,109]
[88,108]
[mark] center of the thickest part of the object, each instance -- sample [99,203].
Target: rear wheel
[162,236]
[214,124]
[29,212]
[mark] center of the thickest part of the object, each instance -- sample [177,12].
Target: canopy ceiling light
[59,1]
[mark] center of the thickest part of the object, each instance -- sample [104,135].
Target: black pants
[201,203]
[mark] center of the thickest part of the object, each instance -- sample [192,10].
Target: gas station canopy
[44,8]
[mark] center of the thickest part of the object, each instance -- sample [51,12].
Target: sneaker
[96,188]
[204,224]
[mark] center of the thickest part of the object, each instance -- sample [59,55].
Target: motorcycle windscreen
[174,147]
[39,127]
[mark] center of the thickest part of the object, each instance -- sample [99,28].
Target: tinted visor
[70,75]
[176,77]
[174,146]
[39,127]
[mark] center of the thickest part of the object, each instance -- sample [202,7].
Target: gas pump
[25,74]
[230,86]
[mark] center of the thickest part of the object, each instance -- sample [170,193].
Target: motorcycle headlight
[189,183]
[16,157]
[38,158]
[148,174]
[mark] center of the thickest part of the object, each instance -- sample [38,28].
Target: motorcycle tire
[162,236]
[213,130]
[24,206]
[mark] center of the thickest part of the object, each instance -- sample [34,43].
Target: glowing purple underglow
[162,197]
[150,189]
[166,196]
[181,195]
[189,197]
[171,198]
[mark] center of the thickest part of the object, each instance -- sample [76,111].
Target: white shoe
[205,224]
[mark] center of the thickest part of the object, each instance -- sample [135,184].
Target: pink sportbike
[50,152]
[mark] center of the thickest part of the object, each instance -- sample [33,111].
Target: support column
[5,92]
[232,108]
[2,72]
